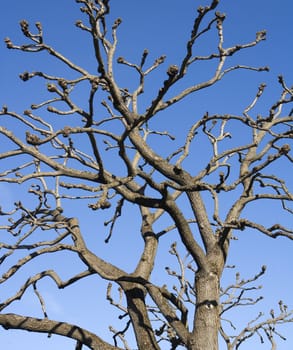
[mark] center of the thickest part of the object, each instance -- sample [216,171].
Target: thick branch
[32,324]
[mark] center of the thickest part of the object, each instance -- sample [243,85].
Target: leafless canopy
[107,152]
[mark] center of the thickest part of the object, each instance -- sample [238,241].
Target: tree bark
[135,296]
[32,324]
[207,319]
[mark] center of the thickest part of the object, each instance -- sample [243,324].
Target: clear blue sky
[160,26]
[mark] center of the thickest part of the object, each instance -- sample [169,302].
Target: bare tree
[109,155]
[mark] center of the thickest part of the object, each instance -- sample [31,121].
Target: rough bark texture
[31,324]
[207,315]
[135,296]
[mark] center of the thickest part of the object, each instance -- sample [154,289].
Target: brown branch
[33,280]
[168,313]
[32,324]
[267,326]
[273,231]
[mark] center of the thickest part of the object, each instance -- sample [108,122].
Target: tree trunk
[207,319]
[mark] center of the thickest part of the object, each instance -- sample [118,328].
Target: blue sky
[160,26]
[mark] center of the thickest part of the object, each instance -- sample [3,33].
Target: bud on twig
[24,76]
[52,88]
[8,43]
[172,70]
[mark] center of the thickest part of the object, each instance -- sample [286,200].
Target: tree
[108,153]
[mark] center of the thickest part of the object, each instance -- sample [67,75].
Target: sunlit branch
[120,335]
[33,255]
[49,273]
[32,324]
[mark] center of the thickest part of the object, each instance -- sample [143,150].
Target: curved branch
[49,273]
[32,324]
